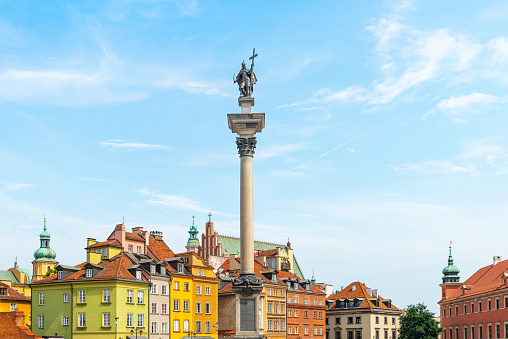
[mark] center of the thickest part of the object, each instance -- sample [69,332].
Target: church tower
[193,242]
[44,256]
[450,277]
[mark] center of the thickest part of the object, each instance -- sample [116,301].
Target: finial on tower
[193,219]
[209,216]
[44,221]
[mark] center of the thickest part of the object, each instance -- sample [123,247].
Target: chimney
[374,293]
[90,242]
[497,259]
[341,288]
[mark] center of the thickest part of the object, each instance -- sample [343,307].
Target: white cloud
[195,87]
[11,186]
[488,150]
[456,108]
[278,150]
[354,93]
[436,167]
[126,145]
[174,201]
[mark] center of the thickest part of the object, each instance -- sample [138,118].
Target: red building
[477,308]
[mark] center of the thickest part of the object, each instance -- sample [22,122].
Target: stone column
[247,287]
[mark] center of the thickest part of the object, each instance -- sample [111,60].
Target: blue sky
[385,131]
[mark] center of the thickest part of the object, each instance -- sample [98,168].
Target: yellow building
[44,261]
[11,300]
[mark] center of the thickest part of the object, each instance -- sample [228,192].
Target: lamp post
[140,332]
[116,325]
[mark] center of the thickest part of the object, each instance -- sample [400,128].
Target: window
[207,327]
[296,329]
[41,320]
[152,269]
[497,304]
[275,292]
[506,303]
[337,335]
[393,321]
[337,321]
[198,307]
[186,286]
[270,325]
[186,305]
[154,288]
[106,252]
[164,289]
[290,329]
[480,332]
[141,297]
[81,296]
[479,306]
[154,307]
[129,296]
[186,326]
[163,270]
[207,290]
[394,334]
[89,273]
[180,268]
[81,319]
[465,308]
[490,331]
[296,300]
[386,320]
[176,286]
[138,249]
[465,333]
[305,314]
[275,308]
[66,297]
[281,293]
[41,300]
[176,325]
[139,275]
[282,308]
[141,319]
[315,301]
[358,320]
[306,301]
[164,308]
[154,327]
[130,248]
[199,273]
[320,301]
[198,289]
[349,320]
[386,334]
[290,313]
[377,333]
[472,307]
[198,326]
[269,308]
[290,300]
[282,325]
[14,307]
[275,325]
[498,331]
[315,330]
[315,314]
[208,308]
[106,319]
[129,319]
[60,275]
[296,313]
[472,332]
[164,327]
[65,321]
[106,295]
[489,303]
[306,330]
[358,334]
[176,305]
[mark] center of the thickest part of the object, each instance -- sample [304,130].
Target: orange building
[11,300]
[12,325]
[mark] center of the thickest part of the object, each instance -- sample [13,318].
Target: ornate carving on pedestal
[246,146]
[248,284]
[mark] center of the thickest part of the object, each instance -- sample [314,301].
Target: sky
[385,135]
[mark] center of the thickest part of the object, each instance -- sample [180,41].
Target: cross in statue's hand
[254,54]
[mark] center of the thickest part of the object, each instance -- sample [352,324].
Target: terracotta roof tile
[114,243]
[160,249]
[357,290]
[133,236]
[267,252]
[12,294]
[487,278]
[10,328]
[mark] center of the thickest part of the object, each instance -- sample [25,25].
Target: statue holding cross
[246,77]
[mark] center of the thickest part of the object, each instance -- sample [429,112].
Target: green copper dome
[451,272]
[193,239]
[45,253]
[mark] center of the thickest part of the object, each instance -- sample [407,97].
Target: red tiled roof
[114,243]
[160,249]
[133,236]
[359,290]
[488,278]
[268,252]
[11,326]
[114,268]
[12,294]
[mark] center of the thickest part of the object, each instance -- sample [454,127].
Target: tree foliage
[50,271]
[417,322]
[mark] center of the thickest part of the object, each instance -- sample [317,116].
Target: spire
[44,221]
[450,272]
[16,263]
[45,252]
[193,241]
[313,279]
[210,217]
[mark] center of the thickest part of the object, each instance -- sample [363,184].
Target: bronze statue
[246,78]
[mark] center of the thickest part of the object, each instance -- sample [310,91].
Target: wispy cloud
[456,107]
[174,201]
[436,167]
[114,144]
[12,186]
[278,150]
[490,151]
[195,87]
[92,179]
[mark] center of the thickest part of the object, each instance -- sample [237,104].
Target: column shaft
[246,215]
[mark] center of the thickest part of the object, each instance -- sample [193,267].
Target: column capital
[246,146]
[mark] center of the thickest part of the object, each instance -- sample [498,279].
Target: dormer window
[307,287]
[138,275]
[163,270]
[152,269]
[105,252]
[3,291]
[89,273]
[289,284]
[180,268]
[60,275]
[274,278]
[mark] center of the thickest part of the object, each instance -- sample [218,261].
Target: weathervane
[246,77]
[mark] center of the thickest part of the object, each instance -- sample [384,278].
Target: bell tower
[44,256]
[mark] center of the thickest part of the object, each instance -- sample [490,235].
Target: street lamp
[192,335]
[116,325]
[140,332]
